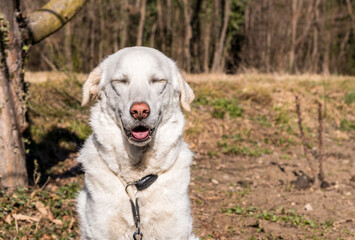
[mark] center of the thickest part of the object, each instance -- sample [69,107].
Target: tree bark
[52,16]
[216,65]
[12,107]
[15,37]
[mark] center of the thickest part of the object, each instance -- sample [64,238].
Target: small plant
[228,148]
[282,117]
[69,191]
[328,224]
[347,125]
[289,216]
[221,106]
[262,120]
[349,97]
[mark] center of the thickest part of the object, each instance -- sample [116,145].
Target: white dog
[137,166]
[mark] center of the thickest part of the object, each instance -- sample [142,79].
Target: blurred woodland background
[292,36]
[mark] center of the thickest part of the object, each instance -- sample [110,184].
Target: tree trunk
[161,25]
[141,23]
[188,35]
[206,43]
[67,47]
[315,55]
[124,22]
[268,37]
[216,65]
[152,35]
[12,107]
[14,44]
[101,31]
[296,6]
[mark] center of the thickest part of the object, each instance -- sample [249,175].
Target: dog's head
[138,85]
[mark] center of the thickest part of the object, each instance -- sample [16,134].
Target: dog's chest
[158,212]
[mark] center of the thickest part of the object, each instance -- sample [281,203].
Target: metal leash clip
[136,218]
[139,234]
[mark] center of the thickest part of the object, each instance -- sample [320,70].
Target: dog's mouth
[139,133]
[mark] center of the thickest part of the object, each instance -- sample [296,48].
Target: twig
[320,139]
[40,189]
[37,224]
[298,110]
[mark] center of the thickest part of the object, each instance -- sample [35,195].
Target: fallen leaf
[71,223]
[57,221]
[67,218]
[41,208]
[8,219]
[50,215]
[46,237]
[52,219]
[21,217]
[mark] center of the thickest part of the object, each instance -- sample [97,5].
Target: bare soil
[241,195]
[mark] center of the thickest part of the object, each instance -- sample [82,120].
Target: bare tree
[16,36]
[267,35]
[188,34]
[206,36]
[295,12]
[141,23]
[216,65]
[298,35]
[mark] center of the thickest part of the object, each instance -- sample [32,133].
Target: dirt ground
[246,195]
[250,177]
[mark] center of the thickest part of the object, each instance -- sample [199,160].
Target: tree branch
[51,17]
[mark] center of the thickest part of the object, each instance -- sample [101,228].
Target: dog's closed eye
[158,80]
[159,84]
[121,81]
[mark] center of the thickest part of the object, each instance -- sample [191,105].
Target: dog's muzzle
[139,134]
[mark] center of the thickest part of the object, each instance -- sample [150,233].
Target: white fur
[103,205]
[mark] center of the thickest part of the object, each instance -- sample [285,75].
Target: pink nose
[140,110]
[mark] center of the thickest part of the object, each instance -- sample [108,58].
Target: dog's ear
[90,88]
[186,94]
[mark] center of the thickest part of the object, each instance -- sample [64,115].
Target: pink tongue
[140,135]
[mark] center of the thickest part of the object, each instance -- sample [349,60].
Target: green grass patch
[349,97]
[215,97]
[282,116]
[262,121]
[347,125]
[221,106]
[281,215]
[235,149]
